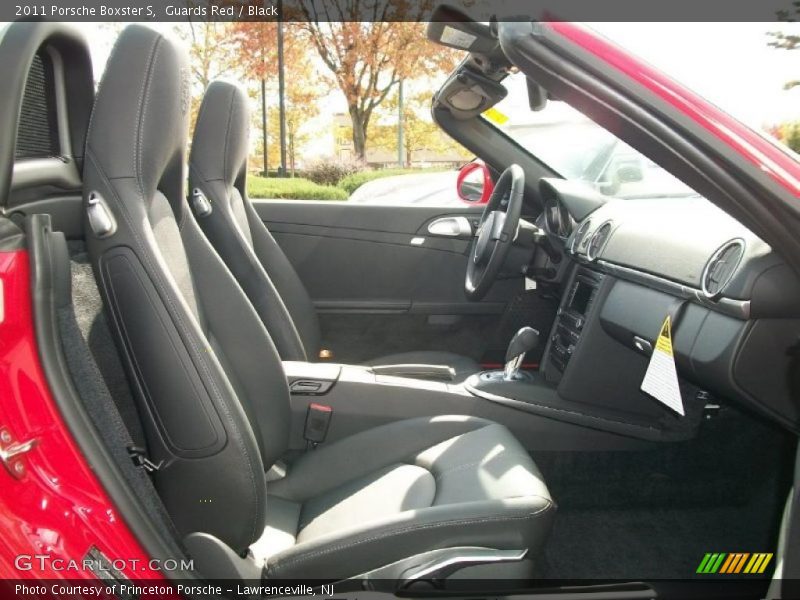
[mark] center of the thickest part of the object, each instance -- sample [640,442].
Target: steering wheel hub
[499,221]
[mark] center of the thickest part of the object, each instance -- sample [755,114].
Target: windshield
[577,148]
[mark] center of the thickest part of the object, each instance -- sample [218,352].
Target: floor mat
[654,514]
[647,544]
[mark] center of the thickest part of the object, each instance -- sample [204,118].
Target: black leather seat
[212,394]
[218,169]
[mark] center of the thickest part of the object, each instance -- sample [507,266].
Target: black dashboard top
[685,245]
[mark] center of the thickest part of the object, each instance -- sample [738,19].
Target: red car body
[59,508]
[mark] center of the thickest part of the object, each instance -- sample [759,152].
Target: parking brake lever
[525,340]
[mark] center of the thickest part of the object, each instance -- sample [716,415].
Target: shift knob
[525,340]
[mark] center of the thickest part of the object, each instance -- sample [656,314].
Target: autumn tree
[257,48]
[369,59]
[212,55]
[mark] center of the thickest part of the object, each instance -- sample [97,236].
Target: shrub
[292,189]
[330,170]
[298,173]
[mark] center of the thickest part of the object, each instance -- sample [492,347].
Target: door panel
[379,293]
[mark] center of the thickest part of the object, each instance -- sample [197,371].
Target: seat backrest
[207,379]
[218,169]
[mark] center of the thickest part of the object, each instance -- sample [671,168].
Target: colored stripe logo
[734,563]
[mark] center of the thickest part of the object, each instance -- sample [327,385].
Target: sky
[729,64]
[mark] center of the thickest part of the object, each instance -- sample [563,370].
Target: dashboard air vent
[576,240]
[598,240]
[720,268]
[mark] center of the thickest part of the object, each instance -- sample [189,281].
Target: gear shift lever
[525,340]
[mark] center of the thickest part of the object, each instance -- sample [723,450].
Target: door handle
[450,227]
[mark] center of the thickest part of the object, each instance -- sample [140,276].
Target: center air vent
[720,268]
[598,240]
[576,240]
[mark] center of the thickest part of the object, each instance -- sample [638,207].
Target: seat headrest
[138,126]
[220,144]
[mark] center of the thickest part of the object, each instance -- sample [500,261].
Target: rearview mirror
[630,172]
[537,95]
[619,172]
[474,183]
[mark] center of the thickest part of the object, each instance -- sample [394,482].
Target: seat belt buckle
[139,457]
[318,419]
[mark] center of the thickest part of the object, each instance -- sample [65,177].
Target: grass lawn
[294,189]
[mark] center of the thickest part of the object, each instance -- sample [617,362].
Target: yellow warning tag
[664,341]
[661,378]
[495,116]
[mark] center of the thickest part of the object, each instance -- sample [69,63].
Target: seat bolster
[462,365]
[363,453]
[283,275]
[242,345]
[513,523]
[231,243]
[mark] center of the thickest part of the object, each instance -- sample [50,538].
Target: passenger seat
[217,173]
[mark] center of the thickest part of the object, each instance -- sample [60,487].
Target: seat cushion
[462,365]
[409,487]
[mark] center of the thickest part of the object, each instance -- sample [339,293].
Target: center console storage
[571,319]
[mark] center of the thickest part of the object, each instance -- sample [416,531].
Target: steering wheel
[496,233]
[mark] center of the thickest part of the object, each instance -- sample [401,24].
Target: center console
[357,398]
[570,321]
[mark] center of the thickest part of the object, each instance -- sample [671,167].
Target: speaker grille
[37,136]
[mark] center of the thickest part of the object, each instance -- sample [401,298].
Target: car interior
[414,394]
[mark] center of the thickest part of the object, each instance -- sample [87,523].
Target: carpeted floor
[654,514]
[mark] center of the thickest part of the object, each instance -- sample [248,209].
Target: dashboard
[634,262]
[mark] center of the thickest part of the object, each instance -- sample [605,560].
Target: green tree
[791,135]
[420,133]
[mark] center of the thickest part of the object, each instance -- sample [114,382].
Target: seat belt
[103,410]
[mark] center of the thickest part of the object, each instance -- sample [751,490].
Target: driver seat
[217,173]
